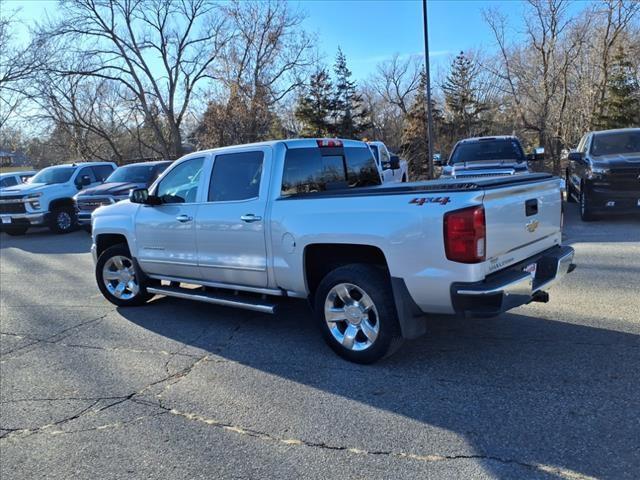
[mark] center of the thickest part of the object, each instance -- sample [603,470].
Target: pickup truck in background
[486,157]
[603,174]
[252,225]
[116,188]
[391,167]
[47,200]
[11,179]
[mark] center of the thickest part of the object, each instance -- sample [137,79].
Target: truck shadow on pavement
[557,398]
[43,241]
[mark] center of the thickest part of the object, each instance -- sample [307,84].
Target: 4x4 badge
[422,200]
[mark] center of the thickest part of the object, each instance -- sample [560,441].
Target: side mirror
[437,159]
[575,157]
[394,163]
[141,195]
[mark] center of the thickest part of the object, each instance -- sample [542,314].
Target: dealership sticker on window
[422,200]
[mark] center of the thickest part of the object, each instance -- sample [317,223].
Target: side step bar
[226,300]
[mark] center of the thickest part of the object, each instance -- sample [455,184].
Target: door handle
[250,217]
[184,218]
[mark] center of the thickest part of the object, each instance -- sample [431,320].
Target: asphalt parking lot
[177,389]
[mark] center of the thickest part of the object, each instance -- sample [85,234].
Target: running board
[225,300]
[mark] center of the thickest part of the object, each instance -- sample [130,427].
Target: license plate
[6,219]
[531,268]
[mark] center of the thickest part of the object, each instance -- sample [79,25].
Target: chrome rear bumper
[513,286]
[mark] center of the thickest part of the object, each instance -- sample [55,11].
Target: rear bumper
[513,286]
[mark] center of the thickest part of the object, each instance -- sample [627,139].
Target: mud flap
[412,320]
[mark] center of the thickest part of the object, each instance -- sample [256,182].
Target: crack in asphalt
[60,334]
[558,471]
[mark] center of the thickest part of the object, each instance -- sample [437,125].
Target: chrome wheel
[351,316]
[119,277]
[63,220]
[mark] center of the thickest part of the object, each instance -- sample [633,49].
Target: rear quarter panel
[409,234]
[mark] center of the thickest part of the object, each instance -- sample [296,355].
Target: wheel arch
[107,240]
[65,202]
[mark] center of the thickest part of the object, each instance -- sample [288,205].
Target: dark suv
[604,173]
[116,187]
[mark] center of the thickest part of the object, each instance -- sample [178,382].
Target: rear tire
[63,220]
[118,279]
[586,210]
[355,310]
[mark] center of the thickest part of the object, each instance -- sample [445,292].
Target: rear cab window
[315,169]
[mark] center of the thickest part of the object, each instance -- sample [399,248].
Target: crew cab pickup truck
[249,226]
[603,174]
[47,200]
[116,188]
[486,157]
[391,167]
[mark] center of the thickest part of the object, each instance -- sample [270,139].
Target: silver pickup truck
[249,226]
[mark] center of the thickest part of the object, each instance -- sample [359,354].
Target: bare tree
[159,50]
[397,80]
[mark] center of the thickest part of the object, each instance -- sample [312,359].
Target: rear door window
[236,176]
[309,170]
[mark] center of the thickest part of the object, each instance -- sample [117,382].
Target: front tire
[63,220]
[569,188]
[586,210]
[355,310]
[118,279]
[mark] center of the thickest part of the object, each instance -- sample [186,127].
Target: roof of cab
[484,139]
[289,143]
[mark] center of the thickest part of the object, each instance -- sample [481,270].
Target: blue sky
[369,31]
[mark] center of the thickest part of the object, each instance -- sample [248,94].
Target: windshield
[135,174]
[51,175]
[616,143]
[483,150]
[374,149]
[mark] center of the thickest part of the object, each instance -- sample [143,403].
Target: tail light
[329,142]
[465,235]
[562,209]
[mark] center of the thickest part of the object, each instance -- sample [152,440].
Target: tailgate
[521,220]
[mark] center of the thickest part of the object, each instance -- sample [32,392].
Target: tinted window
[236,176]
[134,174]
[374,149]
[180,185]
[361,168]
[8,182]
[306,170]
[615,143]
[101,172]
[498,149]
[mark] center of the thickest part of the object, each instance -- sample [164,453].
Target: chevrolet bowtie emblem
[532,225]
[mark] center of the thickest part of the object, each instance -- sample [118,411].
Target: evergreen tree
[461,99]
[349,113]
[315,107]
[622,99]
[415,135]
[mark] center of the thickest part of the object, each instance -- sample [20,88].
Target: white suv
[47,200]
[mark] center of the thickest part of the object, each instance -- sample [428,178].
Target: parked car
[116,188]
[603,174]
[252,225]
[47,200]
[391,167]
[487,157]
[11,179]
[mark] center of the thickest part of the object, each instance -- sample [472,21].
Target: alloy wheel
[118,275]
[351,316]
